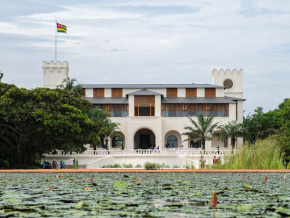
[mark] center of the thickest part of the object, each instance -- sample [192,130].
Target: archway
[118,140]
[144,139]
[172,139]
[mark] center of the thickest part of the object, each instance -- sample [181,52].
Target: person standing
[215,161]
[201,163]
[204,160]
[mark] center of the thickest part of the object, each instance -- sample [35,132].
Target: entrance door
[145,141]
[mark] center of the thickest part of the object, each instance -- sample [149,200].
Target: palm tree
[202,130]
[69,85]
[108,128]
[232,130]
[1,76]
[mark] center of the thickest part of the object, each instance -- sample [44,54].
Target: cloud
[133,41]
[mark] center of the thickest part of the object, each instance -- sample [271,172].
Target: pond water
[144,194]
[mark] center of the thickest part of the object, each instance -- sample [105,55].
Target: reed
[264,154]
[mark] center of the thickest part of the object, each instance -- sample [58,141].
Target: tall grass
[264,154]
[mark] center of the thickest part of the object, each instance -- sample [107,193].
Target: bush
[112,166]
[128,165]
[175,167]
[138,166]
[152,166]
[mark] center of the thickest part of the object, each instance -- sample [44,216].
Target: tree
[108,128]
[232,130]
[202,130]
[42,120]
[69,85]
[258,126]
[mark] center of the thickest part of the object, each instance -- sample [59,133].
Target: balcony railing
[196,153]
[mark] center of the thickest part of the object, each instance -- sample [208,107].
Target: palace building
[155,114]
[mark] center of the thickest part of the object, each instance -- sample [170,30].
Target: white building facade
[152,115]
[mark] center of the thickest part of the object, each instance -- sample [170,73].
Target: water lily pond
[143,194]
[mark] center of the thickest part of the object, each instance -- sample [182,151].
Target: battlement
[54,73]
[232,80]
[227,72]
[56,64]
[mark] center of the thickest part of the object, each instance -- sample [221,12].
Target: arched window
[172,141]
[117,142]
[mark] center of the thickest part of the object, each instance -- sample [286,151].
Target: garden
[144,194]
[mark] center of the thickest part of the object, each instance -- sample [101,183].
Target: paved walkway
[139,171]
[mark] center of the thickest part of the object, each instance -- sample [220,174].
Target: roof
[198,100]
[150,86]
[144,92]
[235,99]
[107,100]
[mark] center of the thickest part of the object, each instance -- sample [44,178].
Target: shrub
[152,166]
[112,166]
[128,165]
[138,166]
[175,167]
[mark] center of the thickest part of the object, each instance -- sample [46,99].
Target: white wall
[89,92]
[181,92]
[220,93]
[200,92]
[157,105]
[108,93]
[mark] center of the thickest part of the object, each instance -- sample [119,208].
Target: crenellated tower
[54,73]
[231,80]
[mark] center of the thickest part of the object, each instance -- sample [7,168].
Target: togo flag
[61,28]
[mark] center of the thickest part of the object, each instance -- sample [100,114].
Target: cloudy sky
[134,41]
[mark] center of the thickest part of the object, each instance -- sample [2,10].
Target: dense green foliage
[41,120]
[109,128]
[264,154]
[231,130]
[201,130]
[274,124]
[69,85]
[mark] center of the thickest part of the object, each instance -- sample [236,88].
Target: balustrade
[146,152]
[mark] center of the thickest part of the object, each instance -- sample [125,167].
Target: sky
[139,42]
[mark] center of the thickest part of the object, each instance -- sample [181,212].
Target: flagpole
[55,41]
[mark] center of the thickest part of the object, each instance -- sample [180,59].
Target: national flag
[61,28]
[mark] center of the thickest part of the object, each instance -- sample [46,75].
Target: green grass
[264,154]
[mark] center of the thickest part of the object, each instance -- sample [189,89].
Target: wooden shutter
[98,93]
[191,92]
[117,93]
[210,92]
[144,99]
[172,92]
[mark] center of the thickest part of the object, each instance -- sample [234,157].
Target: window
[114,110]
[172,110]
[172,141]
